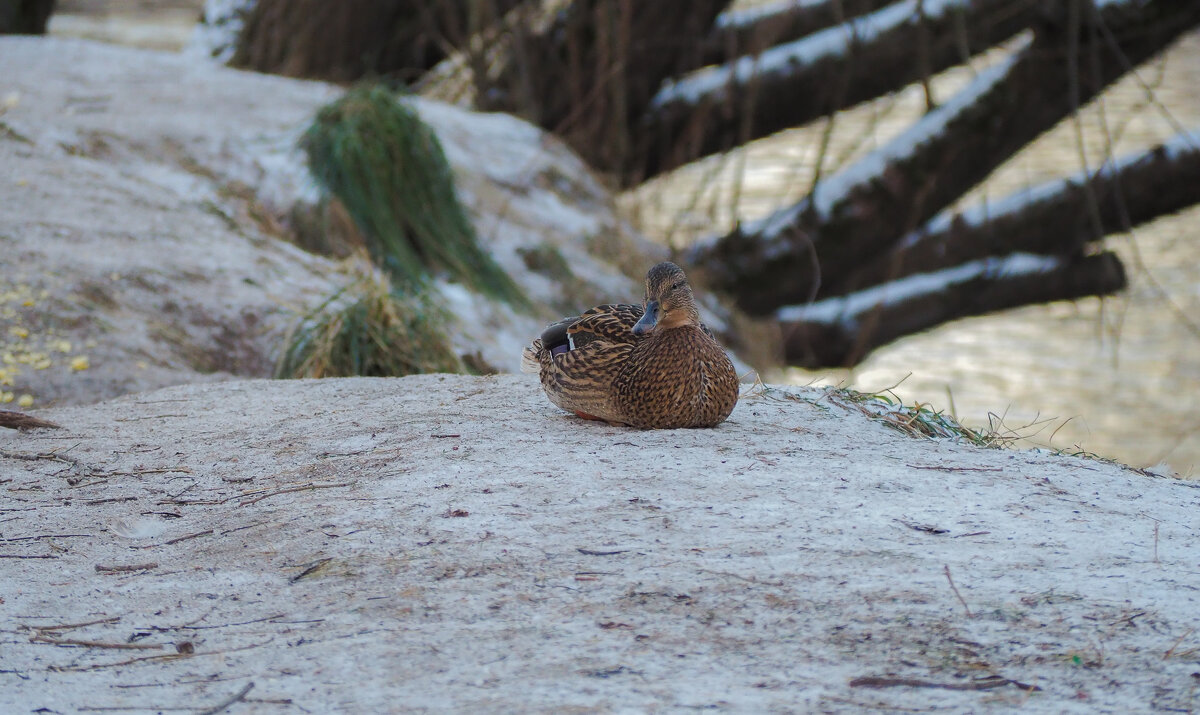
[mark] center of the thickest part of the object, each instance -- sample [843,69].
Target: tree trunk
[348,40]
[25,17]
[1054,218]
[809,250]
[839,332]
[716,109]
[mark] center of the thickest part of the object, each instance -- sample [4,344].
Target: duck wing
[612,323]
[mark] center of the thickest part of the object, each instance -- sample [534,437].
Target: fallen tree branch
[842,331]
[749,30]
[1051,218]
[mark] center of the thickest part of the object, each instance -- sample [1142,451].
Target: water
[1118,377]
[154,24]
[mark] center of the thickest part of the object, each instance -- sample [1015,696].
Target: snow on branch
[850,309]
[744,17]
[712,83]
[749,30]
[842,331]
[829,193]
[864,57]
[1053,217]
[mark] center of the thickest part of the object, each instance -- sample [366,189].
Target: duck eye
[676,285]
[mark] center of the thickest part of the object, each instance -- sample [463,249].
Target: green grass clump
[387,168]
[369,329]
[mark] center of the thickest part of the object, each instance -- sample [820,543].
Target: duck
[649,366]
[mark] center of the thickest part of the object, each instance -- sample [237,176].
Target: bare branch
[842,331]
[792,84]
[1050,218]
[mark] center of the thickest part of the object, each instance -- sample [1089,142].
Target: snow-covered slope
[445,543]
[140,200]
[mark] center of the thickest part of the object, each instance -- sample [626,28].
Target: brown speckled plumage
[652,366]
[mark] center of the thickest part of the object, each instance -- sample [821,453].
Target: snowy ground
[440,542]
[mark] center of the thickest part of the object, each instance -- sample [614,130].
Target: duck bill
[649,319]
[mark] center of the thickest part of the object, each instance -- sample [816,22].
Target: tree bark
[348,40]
[716,109]
[846,341]
[25,17]
[809,250]
[1057,218]
[754,29]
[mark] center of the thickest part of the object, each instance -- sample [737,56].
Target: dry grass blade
[369,329]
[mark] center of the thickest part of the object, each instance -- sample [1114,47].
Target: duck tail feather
[529,358]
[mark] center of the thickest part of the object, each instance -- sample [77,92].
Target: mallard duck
[652,366]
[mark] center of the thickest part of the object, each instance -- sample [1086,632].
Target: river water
[1118,377]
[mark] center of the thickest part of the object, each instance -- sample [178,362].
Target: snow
[737,18]
[1016,202]
[450,543]
[215,36]
[848,308]
[1182,143]
[831,42]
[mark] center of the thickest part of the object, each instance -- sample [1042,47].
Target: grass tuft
[918,420]
[387,168]
[369,329]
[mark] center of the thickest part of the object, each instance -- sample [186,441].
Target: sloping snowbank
[439,542]
[139,198]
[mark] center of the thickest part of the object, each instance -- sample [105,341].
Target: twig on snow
[52,456]
[69,626]
[954,588]
[44,536]
[994,681]
[225,704]
[190,536]
[1171,650]
[42,638]
[309,570]
[101,568]
[306,487]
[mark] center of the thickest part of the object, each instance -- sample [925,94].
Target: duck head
[669,302]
